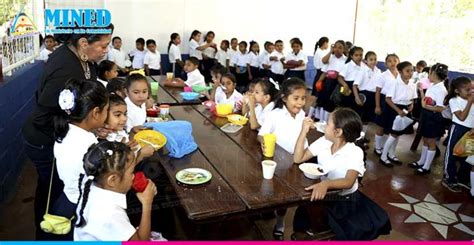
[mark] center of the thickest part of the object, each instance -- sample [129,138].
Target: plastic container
[189,95]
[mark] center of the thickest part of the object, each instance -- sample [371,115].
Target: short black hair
[278,41]
[140,40]
[115,99]
[104,66]
[193,60]
[116,84]
[133,78]
[150,41]
[115,38]
[421,63]
[349,121]
[49,37]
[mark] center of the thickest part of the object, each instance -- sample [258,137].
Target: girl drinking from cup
[260,103]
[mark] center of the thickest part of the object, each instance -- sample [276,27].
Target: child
[399,99]
[252,65]
[118,56]
[296,61]
[344,163]
[460,102]
[351,72]
[383,83]
[84,106]
[174,55]
[263,60]
[366,86]
[137,95]
[49,44]
[225,92]
[117,86]
[102,214]
[431,120]
[106,71]
[195,50]
[209,55]
[193,74]
[152,59]
[276,59]
[420,65]
[234,43]
[240,61]
[320,50]
[260,102]
[138,54]
[223,55]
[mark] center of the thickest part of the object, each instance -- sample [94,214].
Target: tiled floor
[420,208]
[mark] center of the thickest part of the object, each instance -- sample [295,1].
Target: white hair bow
[274,83]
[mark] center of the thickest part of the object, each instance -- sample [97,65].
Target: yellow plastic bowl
[237,119]
[223,110]
[148,137]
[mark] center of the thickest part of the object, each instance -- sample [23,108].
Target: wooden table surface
[171,95]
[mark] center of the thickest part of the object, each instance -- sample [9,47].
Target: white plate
[311,171]
[198,176]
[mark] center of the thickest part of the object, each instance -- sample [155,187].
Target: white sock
[385,137]
[472,183]
[378,142]
[429,159]
[391,151]
[424,149]
[280,222]
[388,144]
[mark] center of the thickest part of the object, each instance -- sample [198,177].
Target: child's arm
[147,70]
[177,83]
[389,102]
[320,189]
[343,83]
[254,125]
[429,107]
[301,154]
[355,90]
[325,59]
[462,115]
[146,198]
[249,72]
[213,90]
[378,107]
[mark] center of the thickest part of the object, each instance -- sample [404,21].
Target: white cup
[268,167]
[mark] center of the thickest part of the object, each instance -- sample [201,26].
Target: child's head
[254,47]
[405,70]
[279,45]
[348,47]
[243,47]
[345,124]
[438,72]
[217,71]
[391,61]
[110,166]
[339,48]
[371,59]
[267,46]
[196,35]
[191,64]
[137,89]
[107,70]
[151,45]
[264,92]
[460,86]
[292,95]
[117,86]
[174,39]
[81,101]
[209,37]
[420,65]
[140,44]
[117,42]
[233,43]
[228,81]
[117,116]
[322,43]
[355,54]
[252,84]
[49,42]
[296,45]
[225,44]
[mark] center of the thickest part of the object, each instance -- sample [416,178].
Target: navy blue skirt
[368,108]
[298,74]
[255,72]
[349,101]
[431,124]
[379,119]
[323,97]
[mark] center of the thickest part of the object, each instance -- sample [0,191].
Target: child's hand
[131,143]
[150,102]
[401,113]
[308,124]
[358,101]
[251,100]
[378,110]
[470,98]
[147,151]
[146,197]
[102,132]
[137,129]
[262,146]
[319,191]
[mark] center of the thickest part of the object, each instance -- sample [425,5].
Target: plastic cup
[154,88]
[169,76]
[268,168]
[164,110]
[269,140]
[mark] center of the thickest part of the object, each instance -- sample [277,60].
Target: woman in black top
[76,58]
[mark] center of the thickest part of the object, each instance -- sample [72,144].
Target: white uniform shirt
[138,58]
[69,156]
[193,51]
[174,53]
[352,72]
[437,92]
[221,97]
[276,66]
[106,217]
[210,52]
[153,60]
[285,127]
[349,157]
[261,113]
[402,93]
[384,81]
[317,58]
[136,115]
[334,64]
[232,53]
[253,59]
[195,78]
[458,104]
[263,59]
[370,78]
[44,55]
[297,57]
[118,57]
[240,59]
[222,57]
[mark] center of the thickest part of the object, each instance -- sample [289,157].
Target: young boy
[275,58]
[222,55]
[194,76]
[138,54]
[152,59]
[119,57]
[49,44]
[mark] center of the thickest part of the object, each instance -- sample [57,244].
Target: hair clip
[277,87]
[109,152]
[90,177]
[140,71]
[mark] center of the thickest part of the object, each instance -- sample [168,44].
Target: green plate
[193,176]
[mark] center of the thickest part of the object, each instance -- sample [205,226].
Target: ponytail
[352,52]
[320,43]
[194,33]
[172,38]
[87,188]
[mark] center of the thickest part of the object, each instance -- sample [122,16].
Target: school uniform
[208,63]
[277,71]
[106,217]
[232,53]
[254,64]
[234,99]
[193,51]
[263,59]
[318,65]
[351,72]
[297,71]
[136,115]
[457,130]
[153,61]
[383,81]
[402,95]
[240,61]
[367,87]
[195,78]
[334,65]
[222,57]
[44,54]
[119,58]
[261,113]
[286,128]
[175,54]
[138,58]
[431,123]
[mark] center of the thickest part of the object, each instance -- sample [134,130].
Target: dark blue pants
[455,134]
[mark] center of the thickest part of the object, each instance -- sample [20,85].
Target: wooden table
[172,95]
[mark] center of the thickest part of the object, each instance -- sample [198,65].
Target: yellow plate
[237,119]
[149,137]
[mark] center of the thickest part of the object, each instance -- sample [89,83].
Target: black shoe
[414,165]
[422,171]
[394,159]
[454,187]
[278,235]
[378,152]
[386,163]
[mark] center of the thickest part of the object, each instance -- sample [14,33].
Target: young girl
[383,83]
[106,71]
[209,55]
[275,60]
[152,59]
[240,61]
[431,120]
[102,212]
[137,95]
[460,101]
[344,163]
[84,106]
[174,55]
[260,103]
[351,72]
[253,64]
[222,55]
[399,99]
[117,86]
[263,60]
[234,43]
[195,50]
[366,87]
[224,92]
[194,77]
[296,61]
[333,63]
[320,50]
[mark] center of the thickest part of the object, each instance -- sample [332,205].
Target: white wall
[259,20]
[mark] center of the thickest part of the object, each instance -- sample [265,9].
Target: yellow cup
[269,140]
[169,76]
